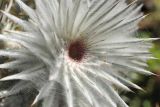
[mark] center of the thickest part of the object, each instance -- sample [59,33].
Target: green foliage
[154,65]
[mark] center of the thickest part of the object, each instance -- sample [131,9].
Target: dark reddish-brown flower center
[76,50]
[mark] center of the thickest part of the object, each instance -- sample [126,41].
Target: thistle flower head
[84,46]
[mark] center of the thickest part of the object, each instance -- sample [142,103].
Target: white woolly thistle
[83,47]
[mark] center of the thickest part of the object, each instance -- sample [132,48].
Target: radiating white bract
[80,51]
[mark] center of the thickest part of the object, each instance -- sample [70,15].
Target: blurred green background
[149,27]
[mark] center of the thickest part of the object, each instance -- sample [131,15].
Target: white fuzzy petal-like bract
[86,48]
